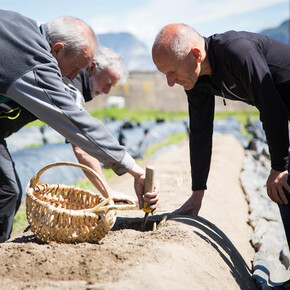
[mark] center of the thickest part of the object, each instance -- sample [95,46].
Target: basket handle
[105,206]
[34,180]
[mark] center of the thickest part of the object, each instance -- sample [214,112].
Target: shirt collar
[210,54]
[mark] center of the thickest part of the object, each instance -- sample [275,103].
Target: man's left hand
[122,197]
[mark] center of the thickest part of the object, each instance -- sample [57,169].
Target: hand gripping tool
[149,184]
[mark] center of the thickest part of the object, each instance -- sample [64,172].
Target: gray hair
[73,33]
[179,42]
[108,59]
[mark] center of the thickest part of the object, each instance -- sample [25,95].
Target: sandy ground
[210,252]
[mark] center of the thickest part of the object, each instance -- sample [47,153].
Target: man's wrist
[136,171]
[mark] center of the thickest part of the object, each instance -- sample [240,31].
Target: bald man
[241,66]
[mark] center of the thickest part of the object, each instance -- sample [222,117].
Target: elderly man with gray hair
[33,61]
[105,70]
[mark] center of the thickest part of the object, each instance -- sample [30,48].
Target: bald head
[176,39]
[179,52]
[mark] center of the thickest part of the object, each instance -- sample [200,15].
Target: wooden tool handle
[149,183]
[149,179]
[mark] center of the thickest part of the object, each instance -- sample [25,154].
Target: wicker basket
[69,214]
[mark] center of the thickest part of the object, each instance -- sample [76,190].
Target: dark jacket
[247,67]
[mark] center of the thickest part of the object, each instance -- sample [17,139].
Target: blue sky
[145,18]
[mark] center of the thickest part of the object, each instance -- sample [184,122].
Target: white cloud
[151,16]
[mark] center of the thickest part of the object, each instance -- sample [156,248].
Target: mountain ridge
[280,32]
[137,56]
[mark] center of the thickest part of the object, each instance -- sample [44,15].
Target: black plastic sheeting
[30,160]
[136,137]
[233,127]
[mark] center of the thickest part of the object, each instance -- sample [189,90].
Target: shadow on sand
[206,231]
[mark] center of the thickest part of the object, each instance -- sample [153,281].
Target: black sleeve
[201,115]
[13,117]
[250,66]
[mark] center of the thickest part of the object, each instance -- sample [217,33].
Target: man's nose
[106,89]
[170,81]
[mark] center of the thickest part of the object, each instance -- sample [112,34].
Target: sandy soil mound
[210,252]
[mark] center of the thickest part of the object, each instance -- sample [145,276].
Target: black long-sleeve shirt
[247,67]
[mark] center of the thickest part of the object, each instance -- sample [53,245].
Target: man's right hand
[276,183]
[192,205]
[151,198]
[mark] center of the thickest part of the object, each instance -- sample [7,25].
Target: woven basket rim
[55,209]
[36,178]
[107,203]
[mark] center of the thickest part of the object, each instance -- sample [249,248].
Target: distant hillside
[281,32]
[137,56]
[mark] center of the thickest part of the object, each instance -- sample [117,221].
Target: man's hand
[122,197]
[192,205]
[277,180]
[151,198]
[139,184]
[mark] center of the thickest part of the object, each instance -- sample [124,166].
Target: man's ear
[57,48]
[197,54]
[92,67]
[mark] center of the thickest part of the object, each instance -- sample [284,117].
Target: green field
[145,115]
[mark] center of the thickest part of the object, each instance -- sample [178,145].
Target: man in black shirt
[244,66]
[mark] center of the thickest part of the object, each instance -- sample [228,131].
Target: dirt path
[210,252]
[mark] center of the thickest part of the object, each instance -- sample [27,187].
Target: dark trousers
[285,214]
[10,192]
[285,210]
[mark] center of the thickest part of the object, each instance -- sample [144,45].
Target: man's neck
[205,67]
